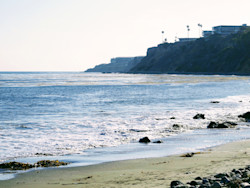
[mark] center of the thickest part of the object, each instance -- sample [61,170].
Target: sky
[74,35]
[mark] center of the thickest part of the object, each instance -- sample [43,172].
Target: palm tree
[162,38]
[188,29]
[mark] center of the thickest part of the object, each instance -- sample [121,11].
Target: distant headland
[223,50]
[118,64]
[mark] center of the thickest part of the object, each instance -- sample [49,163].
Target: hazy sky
[73,35]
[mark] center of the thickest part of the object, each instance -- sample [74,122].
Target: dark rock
[198,178]
[188,155]
[16,166]
[241,169]
[216,185]
[173,184]
[206,185]
[158,142]
[225,180]
[224,125]
[235,183]
[248,167]
[49,163]
[195,183]
[215,102]
[199,116]
[245,174]
[245,116]
[176,126]
[23,166]
[212,124]
[205,181]
[221,175]
[238,176]
[238,172]
[212,180]
[172,118]
[144,140]
[231,174]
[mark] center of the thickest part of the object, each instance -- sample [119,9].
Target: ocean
[88,118]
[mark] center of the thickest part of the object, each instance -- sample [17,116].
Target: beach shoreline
[145,172]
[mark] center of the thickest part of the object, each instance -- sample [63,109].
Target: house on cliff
[225,30]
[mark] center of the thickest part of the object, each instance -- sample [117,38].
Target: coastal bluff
[117,65]
[216,54]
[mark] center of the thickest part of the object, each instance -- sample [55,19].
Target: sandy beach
[151,172]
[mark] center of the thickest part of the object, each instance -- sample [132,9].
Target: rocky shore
[212,125]
[237,178]
[222,166]
[13,165]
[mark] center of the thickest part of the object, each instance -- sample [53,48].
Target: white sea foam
[104,110]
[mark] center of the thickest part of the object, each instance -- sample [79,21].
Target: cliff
[212,55]
[119,64]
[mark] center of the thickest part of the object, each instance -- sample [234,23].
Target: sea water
[95,117]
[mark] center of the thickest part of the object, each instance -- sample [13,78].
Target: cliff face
[212,55]
[119,64]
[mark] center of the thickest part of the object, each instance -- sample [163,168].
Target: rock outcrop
[144,140]
[245,116]
[24,166]
[215,125]
[199,116]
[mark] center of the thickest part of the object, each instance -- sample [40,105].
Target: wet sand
[151,172]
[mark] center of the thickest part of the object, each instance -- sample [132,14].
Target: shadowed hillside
[212,55]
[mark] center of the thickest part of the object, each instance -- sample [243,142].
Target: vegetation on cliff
[212,55]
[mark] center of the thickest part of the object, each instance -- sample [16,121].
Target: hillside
[212,55]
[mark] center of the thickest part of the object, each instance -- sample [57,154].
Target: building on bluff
[224,30]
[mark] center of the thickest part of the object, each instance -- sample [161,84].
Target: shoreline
[145,172]
[198,140]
